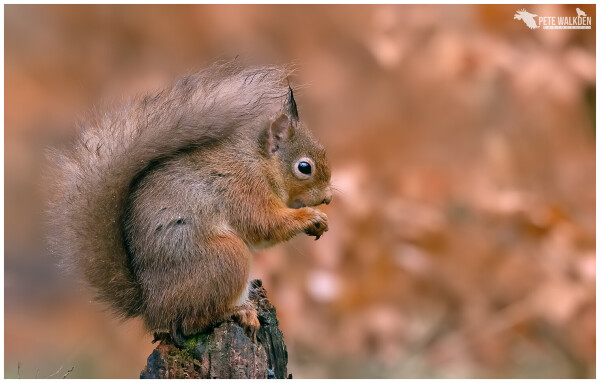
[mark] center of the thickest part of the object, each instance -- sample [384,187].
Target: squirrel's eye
[304,167]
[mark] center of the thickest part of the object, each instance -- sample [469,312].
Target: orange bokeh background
[462,238]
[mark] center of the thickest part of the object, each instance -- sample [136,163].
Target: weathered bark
[225,351]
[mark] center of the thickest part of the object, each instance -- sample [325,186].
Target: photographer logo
[533,21]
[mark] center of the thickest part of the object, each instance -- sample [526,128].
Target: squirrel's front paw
[317,224]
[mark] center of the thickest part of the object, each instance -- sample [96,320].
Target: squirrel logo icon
[580,13]
[527,18]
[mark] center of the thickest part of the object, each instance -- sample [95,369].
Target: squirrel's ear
[280,131]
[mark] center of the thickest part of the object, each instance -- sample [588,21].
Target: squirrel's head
[302,161]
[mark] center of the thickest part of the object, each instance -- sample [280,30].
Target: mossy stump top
[225,351]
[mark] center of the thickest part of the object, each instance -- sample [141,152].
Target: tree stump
[225,351]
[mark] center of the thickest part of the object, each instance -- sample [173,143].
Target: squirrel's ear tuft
[280,131]
[291,104]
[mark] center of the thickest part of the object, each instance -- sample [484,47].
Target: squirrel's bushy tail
[92,180]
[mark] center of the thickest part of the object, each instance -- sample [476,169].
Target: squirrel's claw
[317,224]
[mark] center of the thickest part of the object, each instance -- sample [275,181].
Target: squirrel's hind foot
[161,336]
[247,317]
[176,334]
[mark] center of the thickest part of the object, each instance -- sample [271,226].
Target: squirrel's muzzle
[328,197]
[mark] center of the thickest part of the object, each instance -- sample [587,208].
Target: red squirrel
[160,203]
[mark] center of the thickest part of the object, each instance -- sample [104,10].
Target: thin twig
[19,370]
[49,376]
[68,372]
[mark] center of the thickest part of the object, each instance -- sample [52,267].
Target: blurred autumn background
[462,241]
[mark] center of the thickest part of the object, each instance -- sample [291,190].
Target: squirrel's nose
[328,198]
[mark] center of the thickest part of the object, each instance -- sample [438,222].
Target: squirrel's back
[94,178]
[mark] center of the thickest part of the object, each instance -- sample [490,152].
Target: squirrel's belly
[261,245]
[243,298]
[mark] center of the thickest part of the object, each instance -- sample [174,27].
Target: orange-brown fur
[159,204]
